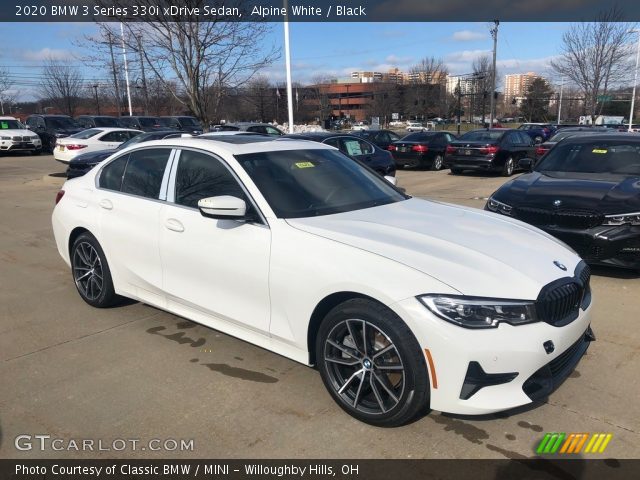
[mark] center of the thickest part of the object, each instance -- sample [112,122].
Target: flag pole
[288,66]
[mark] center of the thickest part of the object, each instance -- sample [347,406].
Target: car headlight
[499,207]
[622,219]
[469,312]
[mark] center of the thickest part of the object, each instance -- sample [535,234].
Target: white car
[15,137]
[415,127]
[91,140]
[402,303]
[360,127]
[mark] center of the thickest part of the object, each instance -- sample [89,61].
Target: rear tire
[371,364]
[507,169]
[437,163]
[91,273]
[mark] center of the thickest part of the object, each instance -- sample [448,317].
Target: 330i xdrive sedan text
[402,303]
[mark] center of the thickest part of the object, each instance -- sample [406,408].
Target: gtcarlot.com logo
[574,443]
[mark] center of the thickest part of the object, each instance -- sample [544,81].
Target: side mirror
[526,164]
[223,207]
[390,179]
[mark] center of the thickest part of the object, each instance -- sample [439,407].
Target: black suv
[146,124]
[183,123]
[97,121]
[490,149]
[51,127]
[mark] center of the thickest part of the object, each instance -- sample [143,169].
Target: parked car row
[52,127]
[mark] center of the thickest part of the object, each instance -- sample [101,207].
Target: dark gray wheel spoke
[342,348]
[386,388]
[354,337]
[349,380]
[355,400]
[84,275]
[341,361]
[376,393]
[386,349]
[390,367]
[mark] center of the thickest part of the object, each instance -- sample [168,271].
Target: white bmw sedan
[91,140]
[401,303]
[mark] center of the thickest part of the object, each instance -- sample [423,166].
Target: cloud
[468,36]
[398,60]
[46,54]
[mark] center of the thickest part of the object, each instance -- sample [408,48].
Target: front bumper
[613,245]
[498,351]
[6,146]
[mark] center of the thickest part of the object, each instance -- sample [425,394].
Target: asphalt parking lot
[135,372]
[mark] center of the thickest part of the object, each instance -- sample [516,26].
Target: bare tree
[205,57]
[483,83]
[426,91]
[62,85]
[318,94]
[594,55]
[5,85]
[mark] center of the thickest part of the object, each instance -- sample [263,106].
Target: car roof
[318,136]
[111,129]
[96,116]
[251,145]
[634,137]
[8,118]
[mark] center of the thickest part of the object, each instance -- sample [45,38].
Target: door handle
[106,204]
[174,225]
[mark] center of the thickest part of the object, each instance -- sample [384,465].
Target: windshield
[606,156]
[571,133]
[143,137]
[106,122]
[61,122]
[481,136]
[418,137]
[11,125]
[148,121]
[92,132]
[190,122]
[308,183]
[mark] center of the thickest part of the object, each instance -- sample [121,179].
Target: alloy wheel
[437,162]
[87,270]
[364,366]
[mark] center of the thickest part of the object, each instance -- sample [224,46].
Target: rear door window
[144,172]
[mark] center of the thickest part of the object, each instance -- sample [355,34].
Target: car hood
[604,193]
[17,132]
[475,252]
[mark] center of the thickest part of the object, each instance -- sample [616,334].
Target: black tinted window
[111,176]
[607,156]
[144,172]
[200,176]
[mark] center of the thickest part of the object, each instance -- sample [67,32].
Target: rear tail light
[392,148]
[75,146]
[59,196]
[541,151]
[420,148]
[545,130]
[451,149]
[489,150]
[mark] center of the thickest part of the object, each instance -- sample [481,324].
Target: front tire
[91,272]
[372,364]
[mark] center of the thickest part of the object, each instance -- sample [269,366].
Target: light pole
[95,91]
[560,100]
[494,34]
[635,83]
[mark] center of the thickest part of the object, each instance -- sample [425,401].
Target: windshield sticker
[598,150]
[4,125]
[353,148]
[304,165]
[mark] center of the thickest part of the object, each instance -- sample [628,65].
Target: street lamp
[635,83]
